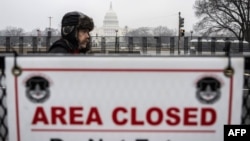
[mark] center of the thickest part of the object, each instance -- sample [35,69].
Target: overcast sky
[33,14]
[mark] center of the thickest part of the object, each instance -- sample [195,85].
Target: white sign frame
[119,66]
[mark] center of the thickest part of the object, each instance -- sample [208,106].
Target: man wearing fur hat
[75,36]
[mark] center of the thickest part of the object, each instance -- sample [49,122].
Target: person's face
[83,38]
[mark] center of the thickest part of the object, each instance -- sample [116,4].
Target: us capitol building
[110,26]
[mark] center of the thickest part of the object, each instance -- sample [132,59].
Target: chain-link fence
[3,108]
[246,94]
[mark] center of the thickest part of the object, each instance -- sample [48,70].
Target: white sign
[122,98]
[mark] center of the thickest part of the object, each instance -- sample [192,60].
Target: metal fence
[125,44]
[140,45]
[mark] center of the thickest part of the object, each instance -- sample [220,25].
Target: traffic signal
[181,22]
[182,32]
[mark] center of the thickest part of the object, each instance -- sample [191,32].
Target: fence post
[90,42]
[21,45]
[158,45]
[130,44]
[116,44]
[186,45]
[34,44]
[48,39]
[227,46]
[172,39]
[199,45]
[103,45]
[144,45]
[213,45]
[241,46]
[7,43]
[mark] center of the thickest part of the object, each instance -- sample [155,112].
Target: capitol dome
[110,19]
[110,27]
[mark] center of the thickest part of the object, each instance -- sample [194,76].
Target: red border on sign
[118,70]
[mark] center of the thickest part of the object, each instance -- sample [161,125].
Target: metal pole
[191,35]
[179,34]
[116,42]
[116,37]
[50,22]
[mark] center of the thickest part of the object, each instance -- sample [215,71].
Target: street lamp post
[38,36]
[116,32]
[96,41]
[179,30]
[50,22]
[49,31]
[38,30]
[116,41]
[191,35]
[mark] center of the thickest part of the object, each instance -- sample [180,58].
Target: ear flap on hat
[67,29]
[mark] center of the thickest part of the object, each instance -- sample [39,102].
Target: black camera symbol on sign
[208,90]
[37,89]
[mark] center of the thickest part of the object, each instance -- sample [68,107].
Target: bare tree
[163,31]
[222,16]
[142,31]
[1,33]
[13,31]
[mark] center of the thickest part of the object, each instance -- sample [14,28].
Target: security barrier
[158,45]
[245,117]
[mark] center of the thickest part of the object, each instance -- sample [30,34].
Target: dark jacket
[63,46]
